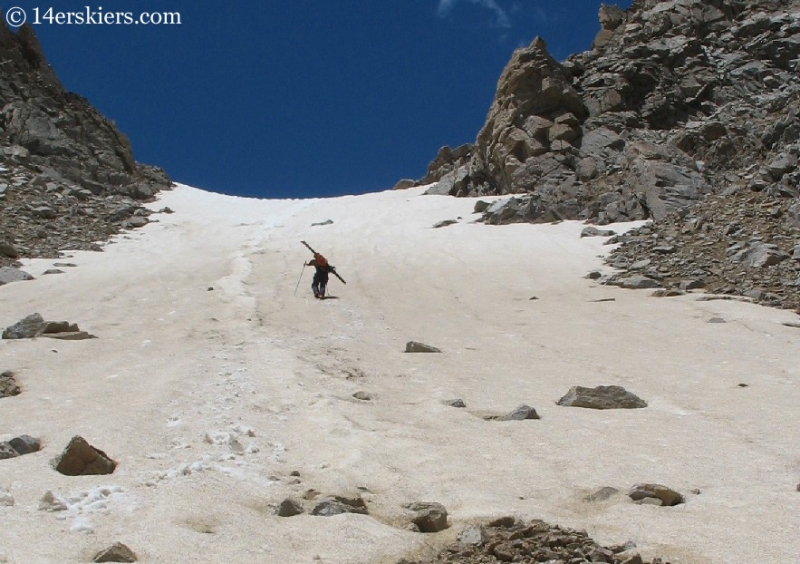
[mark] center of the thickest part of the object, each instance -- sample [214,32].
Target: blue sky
[301,98]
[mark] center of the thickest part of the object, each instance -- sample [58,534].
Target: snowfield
[211,382]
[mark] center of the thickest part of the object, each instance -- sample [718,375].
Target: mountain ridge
[68,177]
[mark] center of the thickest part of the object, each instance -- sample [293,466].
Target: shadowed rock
[289,508]
[522,413]
[430,517]
[8,385]
[7,451]
[415,347]
[337,505]
[635,282]
[26,328]
[458,402]
[25,444]
[595,232]
[601,397]
[117,552]
[82,459]
[665,495]
[10,274]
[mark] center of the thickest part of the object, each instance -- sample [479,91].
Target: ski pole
[299,279]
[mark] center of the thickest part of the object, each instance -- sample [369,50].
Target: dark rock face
[647,122]
[82,459]
[680,106]
[66,172]
[601,397]
[672,102]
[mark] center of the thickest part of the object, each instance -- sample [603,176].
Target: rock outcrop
[681,111]
[68,178]
[648,122]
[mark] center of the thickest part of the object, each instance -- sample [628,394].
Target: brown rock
[117,552]
[82,459]
[667,496]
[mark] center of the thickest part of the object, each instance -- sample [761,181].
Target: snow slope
[211,381]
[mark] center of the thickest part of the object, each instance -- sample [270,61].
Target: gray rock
[629,557]
[8,384]
[716,320]
[601,397]
[602,494]
[692,284]
[27,328]
[289,507]
[137,222]
[51,502]
[760,255]
[455,403]
[474,535]
[8,250]
[337,505]
[81,459]
[7,451]
[634,282]
[10,274]
[481,206]
[25,444]
[521,413]
[364,396]
[52,271]
[415,347]
[44,212]
[117,552]
[595,232]
[430,517]
[404,184]
[444,223]
[665,495]
[664,293]
[783,164]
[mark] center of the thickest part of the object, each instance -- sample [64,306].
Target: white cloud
[446,6]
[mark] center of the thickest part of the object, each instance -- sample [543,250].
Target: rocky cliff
[68,177]
[677,101]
